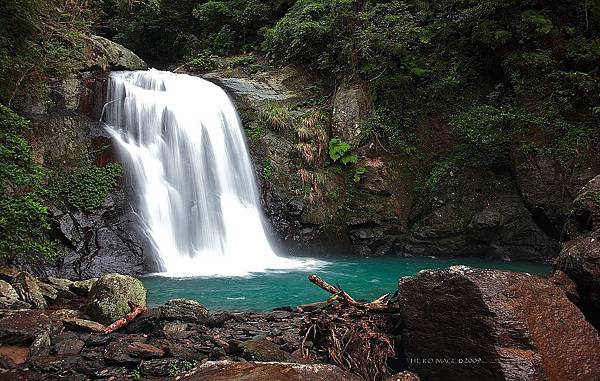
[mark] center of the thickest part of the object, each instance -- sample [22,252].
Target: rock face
[109,297]
[351,104]
[256,371]
[467,324]
[515,212]
[66,132]
[118,57]
[106,240]
[580,254]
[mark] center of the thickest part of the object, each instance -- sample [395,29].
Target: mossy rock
[109,297]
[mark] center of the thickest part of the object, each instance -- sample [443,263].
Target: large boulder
[117,56]
[472,324]
[109,297]
[256,371]
[580,254]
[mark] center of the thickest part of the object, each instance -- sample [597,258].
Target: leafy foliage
[84,188]
[40,39]
[24,222]
[340,150]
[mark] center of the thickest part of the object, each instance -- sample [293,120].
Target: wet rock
[70,346]
[113,373]
[184,310]
[147,322]
[57,364]
[83,325]
[463,323]
[109,297]
[545,188]
[144,351]
[264,350]
[403,376]
[255,371]
[174,330]
[82,287]
[158,367]
[116,353]
[561,279]
[218,319]
[98,340]
[40,346]
[107,240]
[22,326]
[28,290]
[580,255]
[184,353]
[478,213]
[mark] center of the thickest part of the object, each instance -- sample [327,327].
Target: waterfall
[181,140]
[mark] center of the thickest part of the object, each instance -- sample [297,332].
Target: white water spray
[181,139]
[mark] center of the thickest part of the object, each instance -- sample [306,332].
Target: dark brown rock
[144,351]
[580,255]
[22,326]
[403,376]
[184,310]
[463,324]
[40,347]
[158,367]
[83,325]
[273,371]
[265,350]
[116,353]
[71,346]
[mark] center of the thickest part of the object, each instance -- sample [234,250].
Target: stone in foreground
[272,371]
[109,297]
[471,324]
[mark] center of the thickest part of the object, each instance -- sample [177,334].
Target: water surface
[363,278]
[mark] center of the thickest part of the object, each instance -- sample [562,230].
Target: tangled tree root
[353,335]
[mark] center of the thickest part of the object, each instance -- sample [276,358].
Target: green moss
[84,188]
[267,171]
[24,226]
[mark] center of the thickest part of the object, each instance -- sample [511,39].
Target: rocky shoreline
[451,324]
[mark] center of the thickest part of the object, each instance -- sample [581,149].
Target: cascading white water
[182,142]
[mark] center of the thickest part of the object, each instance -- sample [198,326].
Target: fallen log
[379,304]
[136,310]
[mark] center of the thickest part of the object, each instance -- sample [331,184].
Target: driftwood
[355,335]
[136,310]
[380,304]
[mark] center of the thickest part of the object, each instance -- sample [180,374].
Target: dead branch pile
[353,335]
